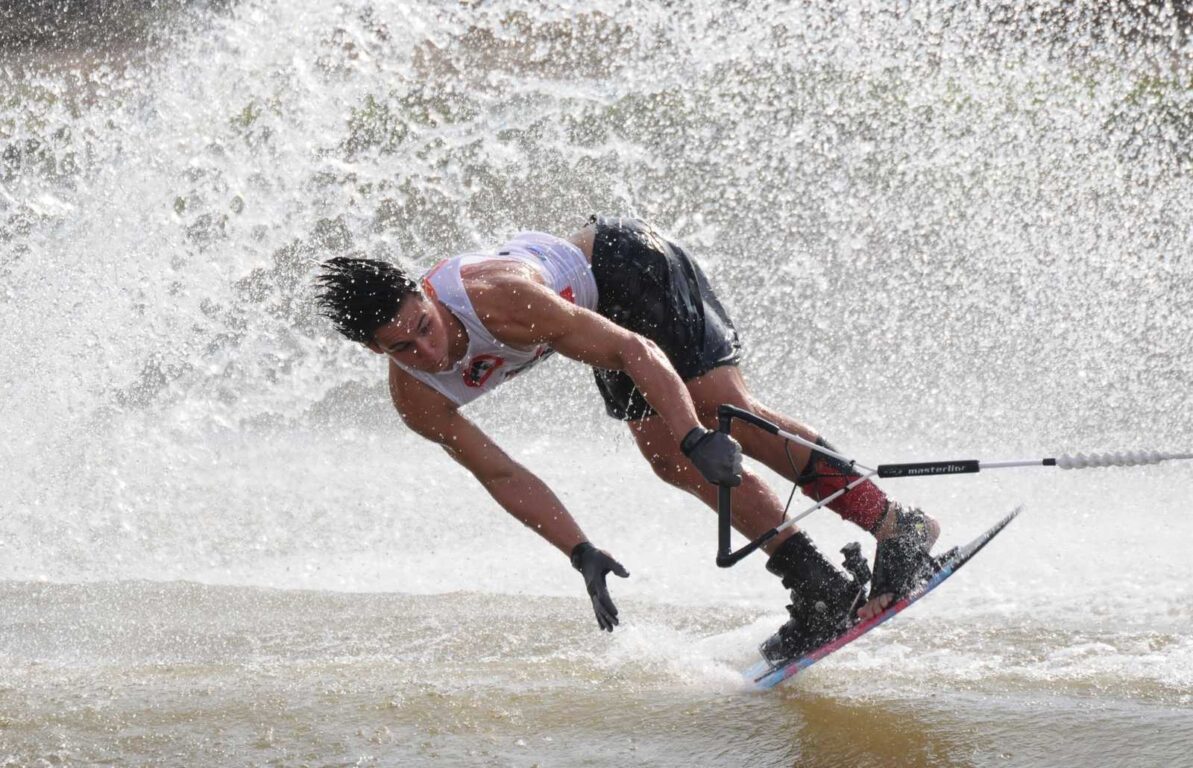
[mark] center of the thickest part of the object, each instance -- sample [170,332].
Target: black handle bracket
[726,557]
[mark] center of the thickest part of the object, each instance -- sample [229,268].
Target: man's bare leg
[756,508]
[726,385]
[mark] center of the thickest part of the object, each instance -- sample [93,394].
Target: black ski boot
[823,602]
[903,562]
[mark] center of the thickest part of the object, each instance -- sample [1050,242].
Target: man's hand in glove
[715,454]
[593,564]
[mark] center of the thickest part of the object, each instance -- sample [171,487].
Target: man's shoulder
[410,394]
[494,288]
[400,384]
[496,273]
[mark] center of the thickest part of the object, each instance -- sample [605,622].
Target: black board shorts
[649,285]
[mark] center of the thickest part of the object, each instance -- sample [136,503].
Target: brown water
[181,674]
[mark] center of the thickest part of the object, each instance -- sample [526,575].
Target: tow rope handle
[726,413]
[726,557]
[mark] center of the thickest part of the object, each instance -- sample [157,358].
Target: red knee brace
[864,505]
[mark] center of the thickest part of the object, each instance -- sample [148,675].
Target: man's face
[416,337]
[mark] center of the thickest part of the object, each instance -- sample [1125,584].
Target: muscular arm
[524,313]
[514,487]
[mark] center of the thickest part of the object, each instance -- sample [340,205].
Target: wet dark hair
[361,295]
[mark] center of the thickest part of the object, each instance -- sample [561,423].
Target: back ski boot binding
[823,602]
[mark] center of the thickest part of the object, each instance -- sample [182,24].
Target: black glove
[715,454]
[593,564]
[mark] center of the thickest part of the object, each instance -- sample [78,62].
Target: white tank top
[488,362]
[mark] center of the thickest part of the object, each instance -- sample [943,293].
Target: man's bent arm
[519,491]
[542,317]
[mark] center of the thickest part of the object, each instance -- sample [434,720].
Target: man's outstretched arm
[515,488]
[518,490]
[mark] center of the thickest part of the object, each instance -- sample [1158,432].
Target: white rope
[1119,459]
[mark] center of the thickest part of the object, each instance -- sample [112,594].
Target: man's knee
[668,468]
[722,386]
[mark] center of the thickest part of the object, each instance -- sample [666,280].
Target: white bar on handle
[792,521]
[1001,464]
[809,444]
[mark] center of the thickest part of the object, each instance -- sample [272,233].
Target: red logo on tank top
[480,368]
[569,294]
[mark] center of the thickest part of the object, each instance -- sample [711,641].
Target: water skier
[622,298]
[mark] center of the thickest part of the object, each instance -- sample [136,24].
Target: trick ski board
[763,676]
